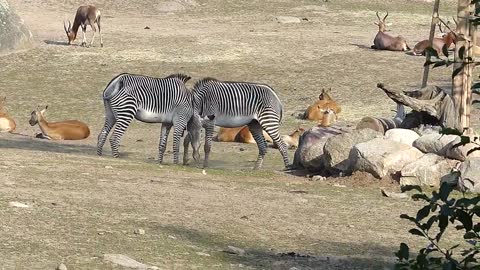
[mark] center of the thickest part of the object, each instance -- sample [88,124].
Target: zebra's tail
[113,86]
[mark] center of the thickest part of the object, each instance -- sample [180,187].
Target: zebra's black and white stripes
[234,104]
[151,100]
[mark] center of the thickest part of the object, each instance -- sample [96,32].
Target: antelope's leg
[84,30]
[94,29]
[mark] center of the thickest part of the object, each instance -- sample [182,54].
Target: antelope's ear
[44,110]
[376,23]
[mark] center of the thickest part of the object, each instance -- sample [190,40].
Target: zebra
[150,100]
[234,104]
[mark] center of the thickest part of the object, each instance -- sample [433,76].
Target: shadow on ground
[22,142]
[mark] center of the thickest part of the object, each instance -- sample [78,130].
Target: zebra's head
[194,127]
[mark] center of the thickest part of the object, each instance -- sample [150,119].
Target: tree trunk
[426,69]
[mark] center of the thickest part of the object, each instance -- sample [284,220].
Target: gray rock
[427,171]
[287,19]
[61,267]
[139,231]
[470,175]
[235,250]
[434,143]
[401,135]
[337,148]
[381,157]
[310,147]
[14,34]
[124,261]
[461,152]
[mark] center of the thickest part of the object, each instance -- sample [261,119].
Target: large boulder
[470,175]
[13,32]
[381,157]
[337,148]
[434,143]
[310,147]
[461,152]
[428,170]
[401,135]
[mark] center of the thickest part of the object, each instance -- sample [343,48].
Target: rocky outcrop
[13,32]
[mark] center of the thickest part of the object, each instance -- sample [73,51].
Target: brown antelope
[292,140]
[381,124]
[85,15]
[384,41]
[7,124]
[238,134]
[437,43]
[316,111]
[329,117]
[64,130]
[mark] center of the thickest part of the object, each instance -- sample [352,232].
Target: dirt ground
[84,206]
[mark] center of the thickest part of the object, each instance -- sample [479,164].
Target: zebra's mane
[202,82]
[184,78]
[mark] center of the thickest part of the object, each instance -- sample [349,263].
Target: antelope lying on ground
[437,43]
[383,124]
[292,140]
[329,117]
[317,110]
[7,124]
[85,15]
[65,130]
[384,41]
[238,134]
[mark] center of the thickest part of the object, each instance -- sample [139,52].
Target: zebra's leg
[178,129]
[109,123]
[209,125]
[270,122]
[186,143]
[163,141]
[123,121]
[257,133]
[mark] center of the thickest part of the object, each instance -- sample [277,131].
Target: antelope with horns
[437,43]
[85,15]
[384,41]
[316,111]
[64,130]
[7,124]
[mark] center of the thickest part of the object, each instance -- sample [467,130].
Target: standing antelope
[437,43]
[64,130]
[384,41]
[7,124]
[85,15]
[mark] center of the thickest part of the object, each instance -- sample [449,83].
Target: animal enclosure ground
[84,206]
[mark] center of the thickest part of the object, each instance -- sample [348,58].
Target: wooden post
[461,83]
[426,69]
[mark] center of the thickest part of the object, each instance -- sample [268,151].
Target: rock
[318,178]
[470,175]
[124,261]
[310,147]
[426,171]
[337,148]
[108,167]
[434,143]
[61,267]
[235,250]
[18,204]
[461,152]
[14,34]
[139,231]
[401,135]
[381,157]
[287,19]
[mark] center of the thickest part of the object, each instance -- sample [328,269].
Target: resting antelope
[437,43]
[238,134]
[329,117]
[384,41]
[7,124]
[65,130]
[381,124]
[85,15]
[292,140]
[316,111]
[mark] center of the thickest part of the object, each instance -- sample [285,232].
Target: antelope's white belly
[150,117]
[237,121]
[4,125]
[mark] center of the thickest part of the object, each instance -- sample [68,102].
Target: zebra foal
[150,100]
[235,104]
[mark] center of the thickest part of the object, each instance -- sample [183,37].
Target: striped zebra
[235,104]
[150,100]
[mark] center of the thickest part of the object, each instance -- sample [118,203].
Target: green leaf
[445,50]
[420,196]
[411,187]
[403,252]
[461,52]
[457,71]
[445,190]
[423,212]
[430,222]
[442,222]
[449,266]
[465,219]
[469,235]
[472,150]
[431,51]
[439,64]
[416,232]
[450,131]
[463,141]
[405,216]
[476,85]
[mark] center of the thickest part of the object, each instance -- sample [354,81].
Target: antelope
[437,43]
[329,117]
[239,134]
[292,140]
[7,124]
[316,111]
[64,130]
[381,124]
[384,41]
[85,15]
